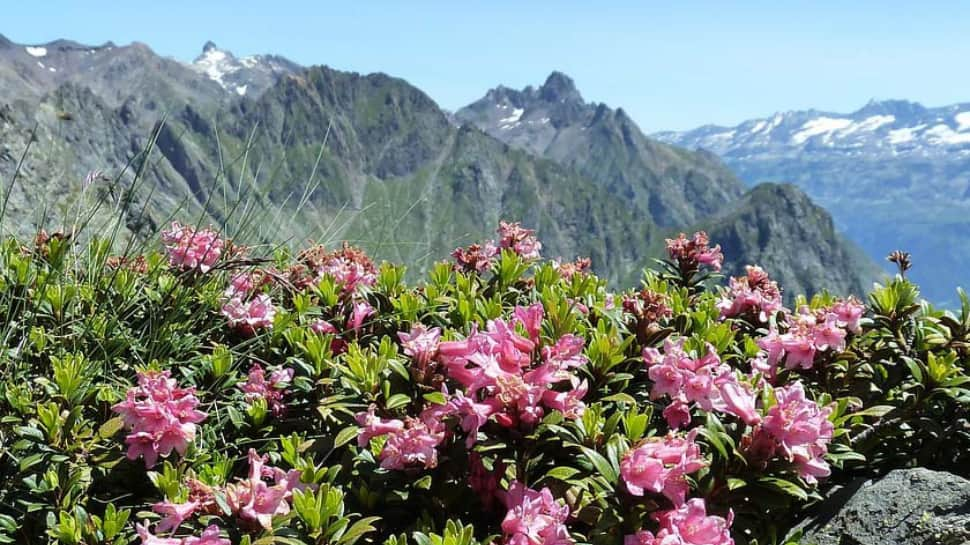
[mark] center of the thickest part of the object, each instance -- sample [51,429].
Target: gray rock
[906,507]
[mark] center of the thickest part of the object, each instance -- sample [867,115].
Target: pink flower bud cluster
[691,253]
[480,257]
[689,524]
[661,466]
[160,416]
[272,391]
[705,381]
[520,240]
[811,333]
[753,296]
[534,517]
[189,248]
[798,429]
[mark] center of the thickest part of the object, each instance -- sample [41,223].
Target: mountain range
[894,174]
[265,148]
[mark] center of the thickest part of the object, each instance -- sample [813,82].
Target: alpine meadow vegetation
[198,392]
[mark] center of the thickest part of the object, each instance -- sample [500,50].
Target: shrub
[201,396]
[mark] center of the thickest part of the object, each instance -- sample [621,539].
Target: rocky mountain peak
[209,46]
[559,88]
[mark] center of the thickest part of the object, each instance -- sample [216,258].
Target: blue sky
[671,65]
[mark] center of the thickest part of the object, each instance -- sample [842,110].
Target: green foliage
[77,331]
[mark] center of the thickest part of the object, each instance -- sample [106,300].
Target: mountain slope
[324,154]
[894,174]
[678,189]
[778,227]
[673,186]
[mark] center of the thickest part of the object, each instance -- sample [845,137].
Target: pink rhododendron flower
[415,446]
[689,253]
[472,415]
[421,343]
[848,313]
[189,248]
[258,501]
[754,296]
[801,430]
[210,536]
[257,387]
[705,381]
[534,517]
[476,258]
[520,240]
[147,538]
[248,316]
[349,274]
[374,426]
[661,466]
[160,416]
[240,286]
[690,524]
[360,312]
[809,334]
[173,514]
[531,319]
[323,327]
[410,443]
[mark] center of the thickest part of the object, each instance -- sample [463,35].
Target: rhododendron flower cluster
[479,258]
[689,524]
[661,466]
[754,296]
[810,333]
[254,500]
[570,269]
[160,416]
[520,240]
[476,257]
[248,316]
[691,253]
[421,344]
[257,386]
[705,381]
[647,308]
[496,367]
[189,248]
[410,443]
[349,271]
[799,429]
[534,517]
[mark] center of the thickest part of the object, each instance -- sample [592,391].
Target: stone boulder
[906,507]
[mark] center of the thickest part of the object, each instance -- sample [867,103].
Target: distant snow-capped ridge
[892,128]
[240,75]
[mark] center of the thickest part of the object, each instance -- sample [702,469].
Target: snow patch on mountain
[820,126]
[36,51]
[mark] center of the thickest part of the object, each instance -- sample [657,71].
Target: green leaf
[397,400]
[359,528]
[601,464]
[345,436]
[782,485]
